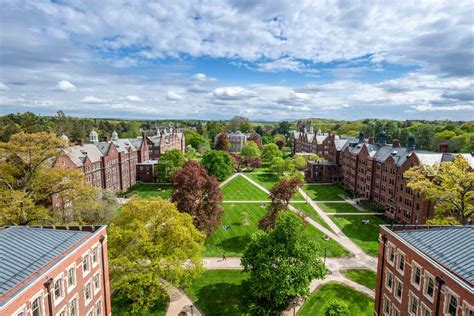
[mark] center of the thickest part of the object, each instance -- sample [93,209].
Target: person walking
[224,258]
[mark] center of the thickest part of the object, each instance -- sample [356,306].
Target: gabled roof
[78,153]
[26,253]
[123,145]
[451,247]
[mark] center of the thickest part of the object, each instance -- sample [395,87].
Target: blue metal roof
[25,250]
[452,247]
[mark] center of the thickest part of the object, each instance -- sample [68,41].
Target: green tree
[282,166]
[450,186]
[270,153]
[250,149]
[282,262]
[337,308]
[218,163]
[239,123]
[168,163]
[152,245]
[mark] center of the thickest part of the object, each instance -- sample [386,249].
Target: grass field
[364,235]
[150,190]
[268,180]
[221,292]
[359,304]
[324,192]
[311,213]
[121,307]
[239,189]
[338,208]
[361,276]
[333,249]
[234,240]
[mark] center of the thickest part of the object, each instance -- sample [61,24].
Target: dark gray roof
[452,247]
[24,251]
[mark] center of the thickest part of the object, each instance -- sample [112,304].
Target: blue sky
[267,60]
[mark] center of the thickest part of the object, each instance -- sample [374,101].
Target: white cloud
[173,96]
[202,77]
[93,100]
[233,93]
[3,87]
[133,98]
[431,108]
[65,86]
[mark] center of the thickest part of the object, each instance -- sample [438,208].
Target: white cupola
[93,137]
[114,136]
[65,139]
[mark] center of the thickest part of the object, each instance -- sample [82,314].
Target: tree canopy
[270,153]
[250,149]
[282,166]
[152,245]
[168,163]
[450,186]
[218,163]
[222,142]
[282,262]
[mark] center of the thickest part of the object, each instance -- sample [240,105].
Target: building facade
[425,271]
[165,138]
[238,139]
[54,271]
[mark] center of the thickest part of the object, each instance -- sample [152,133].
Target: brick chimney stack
[395,143]
[371,140]
[106,138]
[80,142]
[443,148]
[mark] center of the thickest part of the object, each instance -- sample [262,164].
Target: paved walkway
[250,201]
[179,302]
[359,213]
[229,179]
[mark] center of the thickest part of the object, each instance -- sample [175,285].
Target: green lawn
[239,189]
[362,276]
[311,213]
[332,248]
[234,240]
[338,208]
[121,307]
[221,292]
[359,304]
[150,190]
[324,192]
[268,180]
[364,235]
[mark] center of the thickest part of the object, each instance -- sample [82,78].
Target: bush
[336,308]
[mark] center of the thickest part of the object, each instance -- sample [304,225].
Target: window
[90,313]
[73,310]
[391,253]
[416,275]
[96,280]
[429,287]
[425,311]
[86,264]
[98,308]
[62,312]
[36,308]
[401,263]
[71,277]
[20,312]
[95,255]
[389,280]
[398,289]
[87,292]
[395,311]
[468,311]
[452,306]
[413,305]
[58,289]
[387,306]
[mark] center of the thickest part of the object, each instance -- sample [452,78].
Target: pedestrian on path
[224,258]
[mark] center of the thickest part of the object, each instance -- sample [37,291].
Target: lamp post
[296,302]
[192,310]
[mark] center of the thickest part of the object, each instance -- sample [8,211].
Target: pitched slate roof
[452,247]
[78,153]
[25,251]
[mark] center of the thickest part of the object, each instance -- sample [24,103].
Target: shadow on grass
[235,244]
[224,299]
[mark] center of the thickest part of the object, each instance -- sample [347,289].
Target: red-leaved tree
[222,142]
[280,195]
[257,139]
[280,143]
[198,194]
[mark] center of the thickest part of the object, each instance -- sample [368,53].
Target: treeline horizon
[428,133]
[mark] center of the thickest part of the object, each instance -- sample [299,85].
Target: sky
[265,60]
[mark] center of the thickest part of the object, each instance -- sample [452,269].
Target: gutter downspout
[440,282]
[384,239]
[47,285]
[102,238]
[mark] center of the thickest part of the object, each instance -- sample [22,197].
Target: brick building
[54,271]
[165,138]
[238,139]
[425,271]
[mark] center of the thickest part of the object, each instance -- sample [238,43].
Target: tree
[196,141]
[168,163]
[222,142]
[450,186]
[29,180]
[214,128]
[198,194]
[280,143]
[284,128]
[270,153]
[218,163]
[255,137]
[337,308]
[239,123]
[98,211]
[250,149]
[152,245]
[281,166]
[282,262]
[301,161]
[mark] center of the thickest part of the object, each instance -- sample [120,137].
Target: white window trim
[392,246]
[448,293]
[415,264]
[412,296]
[395,307]
[390,289]
[96,290]
[85,273]
[91,310]
[63,285]
[466,305]
[397,260]
[96,246]
[22,309]
[399,299]
[98,303]
[74,268]
[62,310]
[39,294]
[386,298]
[427,275]
[75,297]
[424,307]
[87,301]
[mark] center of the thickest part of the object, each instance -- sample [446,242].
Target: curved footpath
[334,265]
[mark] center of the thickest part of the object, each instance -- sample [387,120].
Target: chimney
[80,142]
[106,138]
[371,140]
[443,148]
[395,143]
